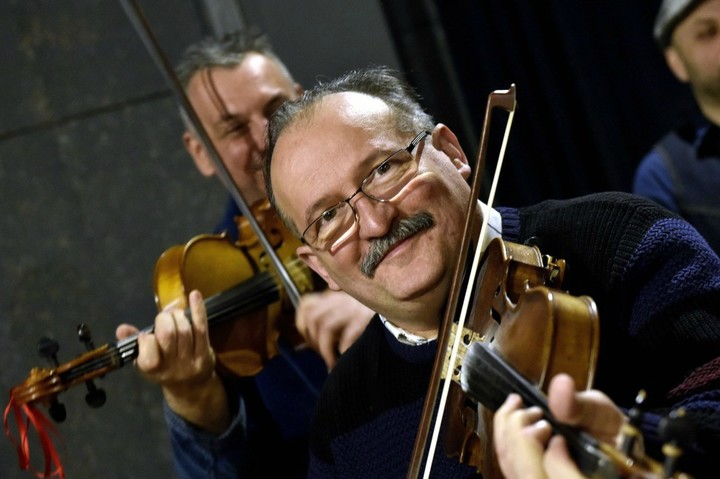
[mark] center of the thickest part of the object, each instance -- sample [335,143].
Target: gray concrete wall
[95,185]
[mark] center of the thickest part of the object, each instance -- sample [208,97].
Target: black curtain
[593,89]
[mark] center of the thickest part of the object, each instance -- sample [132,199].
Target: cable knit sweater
[657,286]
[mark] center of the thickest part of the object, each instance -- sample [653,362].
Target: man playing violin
[377,192]
[234,84]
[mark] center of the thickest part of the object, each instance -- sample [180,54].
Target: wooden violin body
[247,309]
[540,330]
[213,265]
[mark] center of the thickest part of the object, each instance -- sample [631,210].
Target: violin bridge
[468,337]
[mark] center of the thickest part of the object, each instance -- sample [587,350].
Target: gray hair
[228,51]
[406,114]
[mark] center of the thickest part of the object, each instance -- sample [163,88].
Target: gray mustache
[403,229]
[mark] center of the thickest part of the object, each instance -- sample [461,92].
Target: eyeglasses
[385,181]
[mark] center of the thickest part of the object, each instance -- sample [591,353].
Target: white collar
[403,336]
[494,224]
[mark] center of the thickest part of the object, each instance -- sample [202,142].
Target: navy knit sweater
[657,286]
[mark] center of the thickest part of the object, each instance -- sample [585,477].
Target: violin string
[489,379]
[252,292]
[94,365]
[219,307]
[255,293]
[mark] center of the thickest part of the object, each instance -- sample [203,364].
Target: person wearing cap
[682,171]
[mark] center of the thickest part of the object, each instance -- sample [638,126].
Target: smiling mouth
[380,247]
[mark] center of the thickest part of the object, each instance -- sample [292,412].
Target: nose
[374,217]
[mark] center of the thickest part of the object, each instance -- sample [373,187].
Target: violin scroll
[45,384]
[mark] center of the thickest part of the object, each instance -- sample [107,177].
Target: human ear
[444,140]
[196,149]
[298,89]
[676,64]
[309,257]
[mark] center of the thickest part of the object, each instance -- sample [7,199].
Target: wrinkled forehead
[340,122]
[251,76]
[352,109]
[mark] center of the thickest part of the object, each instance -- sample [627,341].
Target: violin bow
[504,99]
[137,18]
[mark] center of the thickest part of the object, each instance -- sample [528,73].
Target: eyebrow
[270,106]
[704,20]
[228,117]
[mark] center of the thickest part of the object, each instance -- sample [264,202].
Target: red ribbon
[43,427]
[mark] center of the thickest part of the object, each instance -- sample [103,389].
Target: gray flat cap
[671,13]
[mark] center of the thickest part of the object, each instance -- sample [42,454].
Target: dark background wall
[593,89]
[95,184]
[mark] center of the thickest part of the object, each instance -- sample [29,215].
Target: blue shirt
[682,173]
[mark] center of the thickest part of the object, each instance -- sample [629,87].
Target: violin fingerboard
[488,379]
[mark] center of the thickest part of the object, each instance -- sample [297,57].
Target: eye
[707,31]
[385,167]
[328,215]
[236,128]
[392,166]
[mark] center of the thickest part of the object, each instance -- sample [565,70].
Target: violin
[509,327]
[488,378]
[255,311]
[235,279]
[248,313]
[536,327]
[243,298]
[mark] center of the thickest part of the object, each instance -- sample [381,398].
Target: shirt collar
[403,336]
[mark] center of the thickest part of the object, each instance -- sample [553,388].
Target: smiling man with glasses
[392,243]
[336,224]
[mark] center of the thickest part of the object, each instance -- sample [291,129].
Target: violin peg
[636,413]
[95,397]
[677,427]
[57,411]
[48,348]
[631,435]
[533,241]
[678,433]
[84,335]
